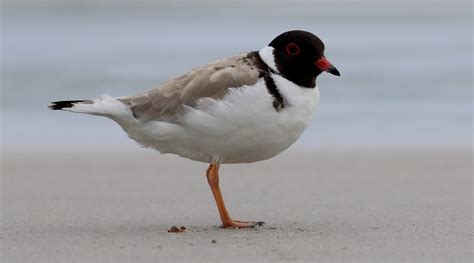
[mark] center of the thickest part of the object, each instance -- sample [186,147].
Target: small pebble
[175,229]
[213,241]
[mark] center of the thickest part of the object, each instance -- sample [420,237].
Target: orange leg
[227,222]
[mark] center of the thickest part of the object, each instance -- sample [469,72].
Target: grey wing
[167,101]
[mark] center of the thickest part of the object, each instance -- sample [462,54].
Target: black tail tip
[59,105]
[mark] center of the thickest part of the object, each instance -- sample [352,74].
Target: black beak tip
[334,71]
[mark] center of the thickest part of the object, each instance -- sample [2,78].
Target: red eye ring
[292,49]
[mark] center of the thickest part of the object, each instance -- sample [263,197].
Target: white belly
[242,127]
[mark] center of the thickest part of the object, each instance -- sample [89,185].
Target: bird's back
[168,100]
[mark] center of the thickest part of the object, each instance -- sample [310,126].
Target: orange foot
[241,224]
[212,175]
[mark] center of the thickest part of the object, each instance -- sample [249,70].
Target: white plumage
[242,127]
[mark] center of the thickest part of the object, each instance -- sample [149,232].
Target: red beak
[324,65]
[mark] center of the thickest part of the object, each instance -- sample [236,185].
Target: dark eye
[292,49]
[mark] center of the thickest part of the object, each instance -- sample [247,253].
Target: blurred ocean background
[406,65]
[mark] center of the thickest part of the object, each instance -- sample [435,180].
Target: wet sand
[327,205]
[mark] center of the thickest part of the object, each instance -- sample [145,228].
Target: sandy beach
[327,205]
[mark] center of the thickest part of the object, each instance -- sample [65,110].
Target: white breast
[242,127]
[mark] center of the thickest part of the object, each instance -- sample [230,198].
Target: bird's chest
[246,127]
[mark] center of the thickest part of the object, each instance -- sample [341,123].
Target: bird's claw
[242,224]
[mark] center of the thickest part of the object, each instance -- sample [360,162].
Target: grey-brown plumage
[213,80]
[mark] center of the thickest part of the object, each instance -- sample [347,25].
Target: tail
[65,104]
[105,106]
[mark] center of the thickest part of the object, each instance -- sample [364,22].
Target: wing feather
[168,100]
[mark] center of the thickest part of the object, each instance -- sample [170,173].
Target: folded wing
[167,101]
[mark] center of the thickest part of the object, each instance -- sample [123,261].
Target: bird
[241,109]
